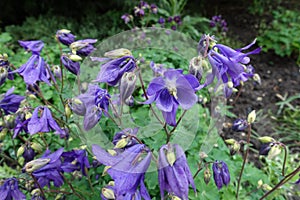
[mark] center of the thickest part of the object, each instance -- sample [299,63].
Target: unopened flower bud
[108,193]
[20,151]
[68,111]
[256,78]
[235,148]
[36,164]
[75,58]
[207,175]
[59,196]
[35,192]
[203,155]
[36,146]
[77,106]
[251,117]
[274,151]
[3,133]
[28,154]
[259,184]
[3,74]
[105,170]
[127,85]
[230,141]
[9,121]
[56,71]
[239,125]
[117,53]
[112,152]
[173,197]
[266,139]
[265,148]
[266,187]
[122,143]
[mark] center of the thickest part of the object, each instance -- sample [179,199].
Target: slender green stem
[41,189]
[178,121]
[283,181]
[72,188]
[244,161]
[284,159]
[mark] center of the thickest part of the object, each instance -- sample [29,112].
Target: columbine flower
[75,160]
[91,105]
[229,66]
[35,69]
[72,66]
[127,18]
[174,175]
[172,90]
[65,37]
[221,174]
[9,102]
[125,139]
[177,19]
[83,47]
[49,170]
[43,123]
[10,190]
[153,8]
[240,125]
[35,46]
[112,71]
[127,169]
[265,148]
[161,20]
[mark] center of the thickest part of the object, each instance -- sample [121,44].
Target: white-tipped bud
[36,164]
[256,78]
[251,117]
[117,53]
[108,193]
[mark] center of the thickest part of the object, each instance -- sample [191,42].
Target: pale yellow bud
[230,141]
[108,193]
[36,164]
[266,139]
[121,143]
[256,78]
[259,184]
[266,187]
[112,152]
[105,170]
[75,58]
[36,146]
[171,157]
[274,151]
[64,31]
[117,53]
[20,151]
[251,117]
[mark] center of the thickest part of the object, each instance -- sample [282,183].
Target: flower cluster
[218,22]
[173,22]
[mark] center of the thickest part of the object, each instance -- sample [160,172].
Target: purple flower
[112,71]
[127,169]
[170,19]
[75,160]
[174,175]
[240,125]
[153,8]
[65,37]
[177,19]
[83,47]
[221,174]
[127,18]
[265,148]
[161,20]
[10,190]
[50,171]
[126,137]
[20,125]
[72,66]
[5,71]
[172,90]
[43,123]
[9,102]
[35,46]
[91,105]
[298,181]
[35,69]
[28,154]
[229,66]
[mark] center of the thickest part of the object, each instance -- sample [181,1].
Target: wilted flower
[51,171]
[10,190]
[240,125]
[127,18]
[83,47]
[92,104]
[72,66]
[229,66]
[174,175]
[127,169]
[9,102]
[65,37]
[43,123]
[75,160]
[112,71]
[172,90]
[221,174]
[34,46]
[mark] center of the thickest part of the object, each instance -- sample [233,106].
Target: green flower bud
[36,192]
[3,133]
[266,139]
[36,164]
[266,187]
[207,175]
[259,184]
[122,143]
[235,148]
[20,151]
[117,53]
[36,146]
[274,151]
[75,58]
[68,111]
[59,196]
[251,117]
[171,157]
[230,141]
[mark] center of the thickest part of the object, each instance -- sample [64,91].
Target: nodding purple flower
[177,19]
[34,46]
[10,102]
[72,66]
[172,90]
[139,11]
[65,37]
[92,104]
[221,174]
[174,175]
[28,154]
[50,169]
[153,8]
[170,19]
[112,71]
[34,70]
[75,160]
[20,124]
[127,18]
[10,190]
[127,169]
[161,20]
[240,125]
[125,138]
[43,123]
[229,66]
[83,47]
[174,27]
[265,148]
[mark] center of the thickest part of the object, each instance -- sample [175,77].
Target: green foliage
[260,7]
[282,35]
